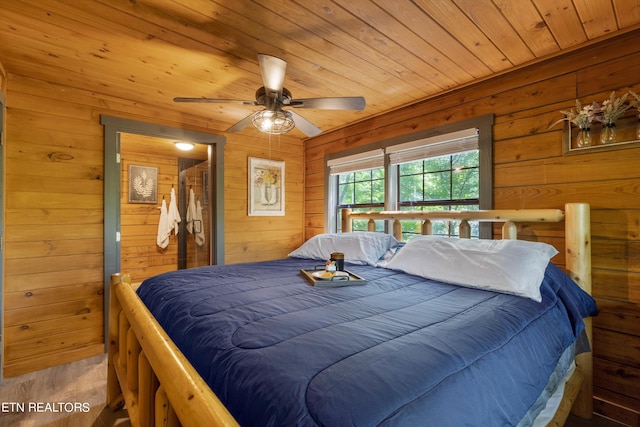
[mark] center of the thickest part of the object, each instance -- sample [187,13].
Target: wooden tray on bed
[349,279]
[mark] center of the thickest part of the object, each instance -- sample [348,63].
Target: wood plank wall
[530,171]
[3,80]
[256,238]
[53,230]
[54,184]
[53,283]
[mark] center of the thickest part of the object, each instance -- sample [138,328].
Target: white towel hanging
[173,214]
[164,230]
[191,211]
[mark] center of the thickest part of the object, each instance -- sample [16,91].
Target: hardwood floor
[83,383]
[71,395]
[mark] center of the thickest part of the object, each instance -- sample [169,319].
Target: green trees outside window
[448,182]
[440,183]
[361,191]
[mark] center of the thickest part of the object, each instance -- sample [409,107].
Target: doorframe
[113,127]
[3,102]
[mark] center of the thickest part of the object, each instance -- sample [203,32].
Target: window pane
[465,160]
[440,228]
[363,175]
[411,188]
[411,168]
[345,196]
[437,164]
[437,186]
[465,184]
[344,178]
[474,225]
[378,173]
[361,224]
[363,192]
[377,191]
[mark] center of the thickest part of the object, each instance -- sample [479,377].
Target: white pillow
[509,266]
[365,247]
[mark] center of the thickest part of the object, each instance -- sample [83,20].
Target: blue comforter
[400,350]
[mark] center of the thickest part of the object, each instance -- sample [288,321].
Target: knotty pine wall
[530,171]
[53,282]
[257,238]
[3,80]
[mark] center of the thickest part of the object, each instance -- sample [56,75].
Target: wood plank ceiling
[392,52]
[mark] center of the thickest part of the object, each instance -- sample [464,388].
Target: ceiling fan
[273,96]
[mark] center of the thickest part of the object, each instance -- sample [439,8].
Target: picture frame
[143,184]
[266,187]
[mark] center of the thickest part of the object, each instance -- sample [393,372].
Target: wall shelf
[626,136]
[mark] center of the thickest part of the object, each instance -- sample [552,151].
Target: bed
[419,343]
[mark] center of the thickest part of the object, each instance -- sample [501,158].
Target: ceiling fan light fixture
[272,96]
[273,122]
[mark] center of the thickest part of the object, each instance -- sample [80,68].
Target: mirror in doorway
[193,250]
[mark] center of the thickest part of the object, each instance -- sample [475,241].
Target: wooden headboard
[576,217]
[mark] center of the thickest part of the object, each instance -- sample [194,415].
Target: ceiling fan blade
[272,69]
[305,125]
[215,100]
[241,124]
[339,103]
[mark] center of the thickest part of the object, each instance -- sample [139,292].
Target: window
[360,191]
[359,184]
[448,182]
[447,171]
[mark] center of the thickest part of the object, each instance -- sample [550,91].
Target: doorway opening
[115,130]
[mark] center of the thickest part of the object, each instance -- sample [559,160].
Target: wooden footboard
[149,374]
[578,394]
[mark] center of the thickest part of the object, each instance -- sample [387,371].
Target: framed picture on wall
[266,187]
[143,184]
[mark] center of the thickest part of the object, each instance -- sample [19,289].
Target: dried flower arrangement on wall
[609,114]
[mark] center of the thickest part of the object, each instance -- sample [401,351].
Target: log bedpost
[347,226]
[115,399]
[578,266]
[397,230]
[427,227]
[509,230]
[464,230]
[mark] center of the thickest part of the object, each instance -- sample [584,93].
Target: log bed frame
[149,374]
